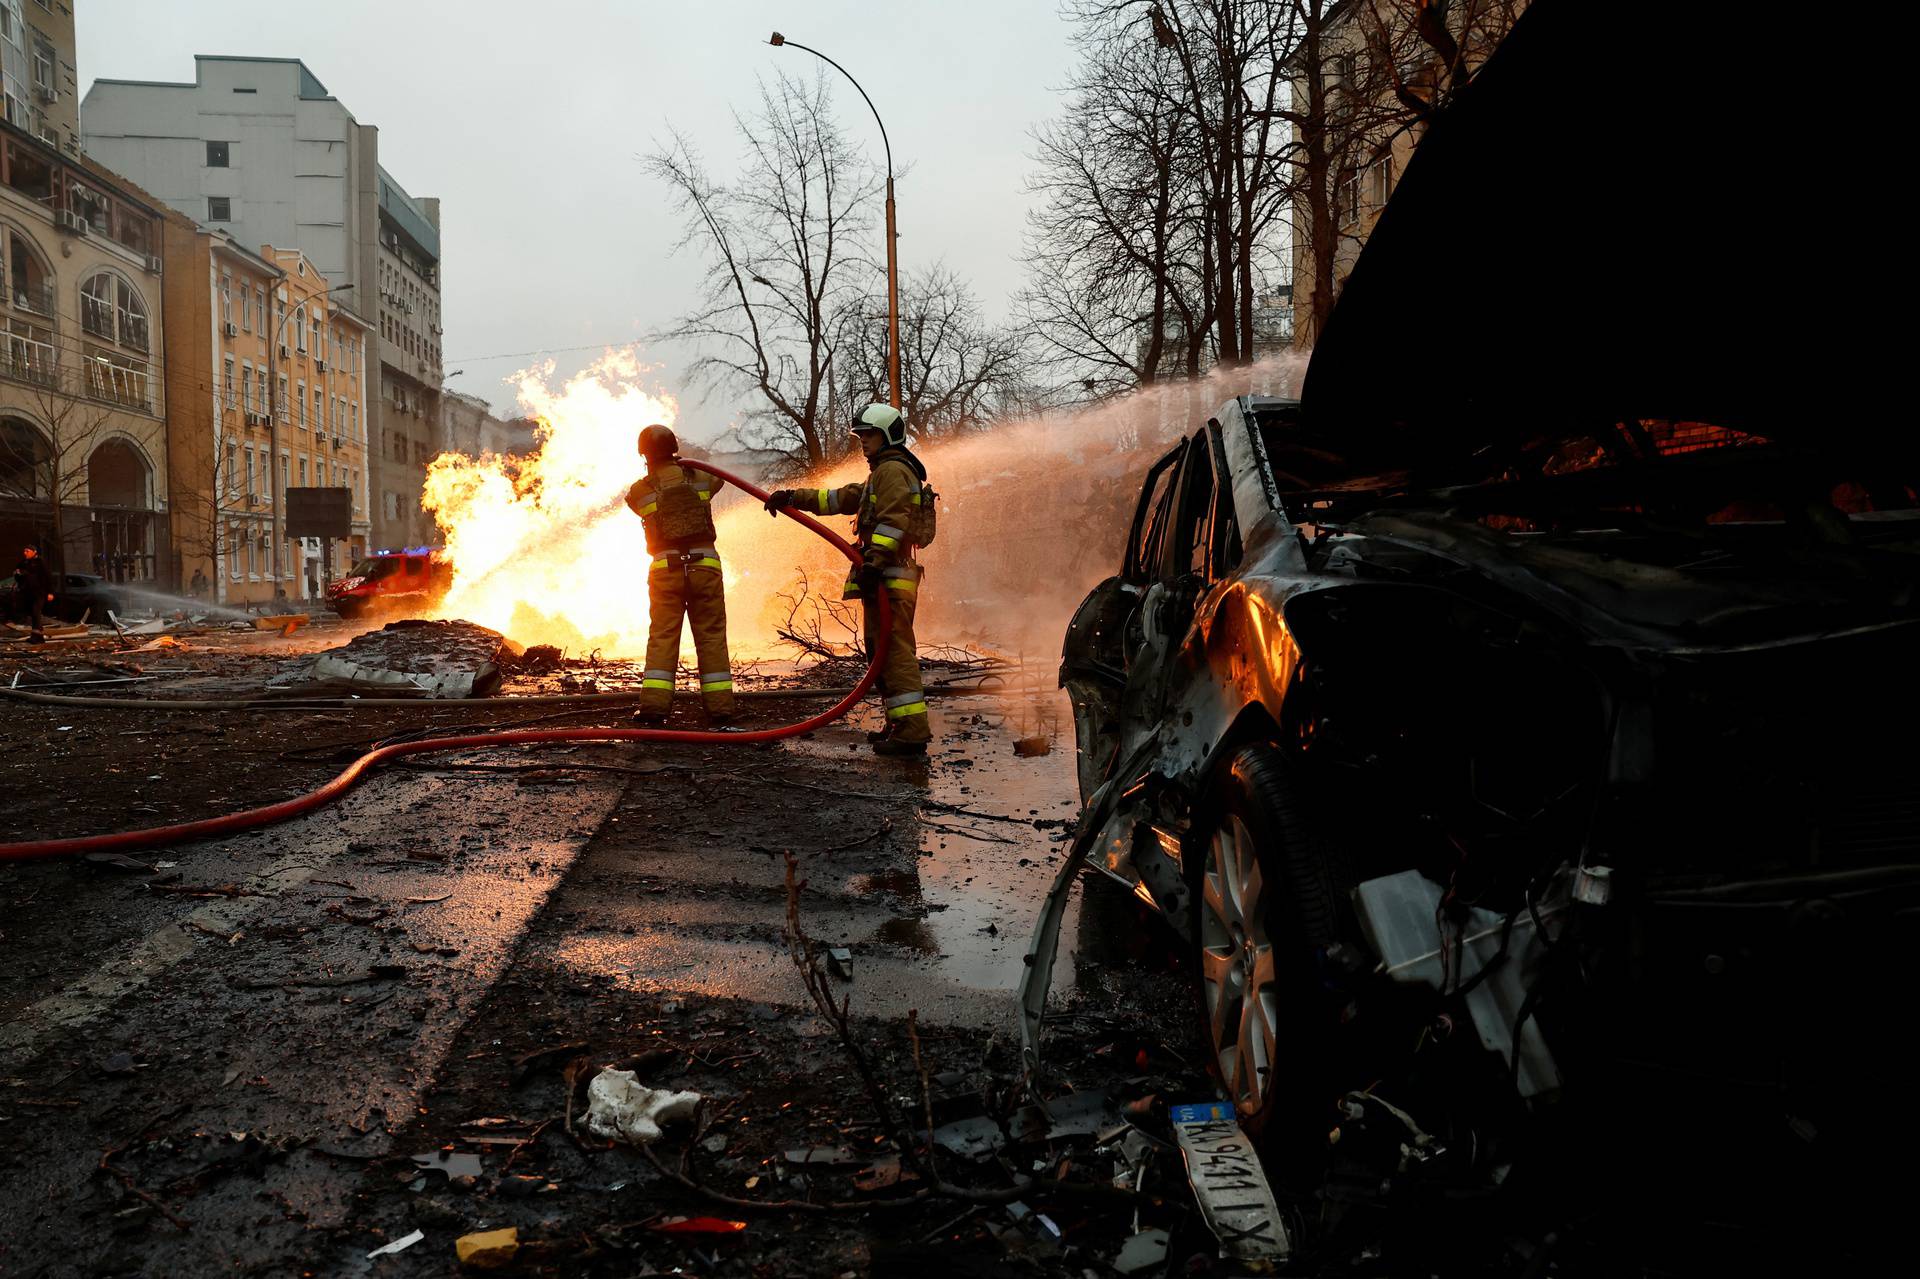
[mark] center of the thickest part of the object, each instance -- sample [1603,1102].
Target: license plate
[1229,1183]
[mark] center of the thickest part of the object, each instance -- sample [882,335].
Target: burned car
[1513,728]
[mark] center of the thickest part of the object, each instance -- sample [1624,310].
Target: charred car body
[1508,726]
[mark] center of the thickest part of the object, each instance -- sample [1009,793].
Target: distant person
[673,503]
[197,588]
[33,589]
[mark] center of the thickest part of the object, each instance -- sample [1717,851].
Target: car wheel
[1266,912]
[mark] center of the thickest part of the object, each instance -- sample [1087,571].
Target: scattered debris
[408,659]
[698,1226]
[826,1157]
[119,861]
[454,1163]
[488,1249]
[621,1108]
[1144,1251]
[1027,747]
[840,960]
[399,1245]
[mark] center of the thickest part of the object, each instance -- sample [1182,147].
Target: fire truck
[403,581]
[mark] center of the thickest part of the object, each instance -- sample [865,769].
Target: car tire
[1266,909]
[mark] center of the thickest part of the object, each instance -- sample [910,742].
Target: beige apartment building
[83,439]
[323,436]
[39,78]
[1369,57]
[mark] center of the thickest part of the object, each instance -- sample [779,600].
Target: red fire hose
[249,819]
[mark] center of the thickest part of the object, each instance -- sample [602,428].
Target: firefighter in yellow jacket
[673,503]
[894,512]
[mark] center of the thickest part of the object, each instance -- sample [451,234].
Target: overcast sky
[525,119]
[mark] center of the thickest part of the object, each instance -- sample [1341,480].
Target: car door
[1120,644]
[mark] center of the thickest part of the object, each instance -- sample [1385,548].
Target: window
[216,155]
[246,391]
[226,297]
[280,402]
[233,552]
[1380,182]
[319,411]
[260,308]
[229,381]
[300,395]
[96,306]
[300,329]
[246,310]
[250,487]
[219,208]
[1346,198]
[303,472]
[233,468]
[353,420]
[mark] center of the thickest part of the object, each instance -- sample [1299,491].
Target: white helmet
[885,419]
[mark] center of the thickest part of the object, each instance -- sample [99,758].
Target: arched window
[24,454]
[111,308]
[29,279]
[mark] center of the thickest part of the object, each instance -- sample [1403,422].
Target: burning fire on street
[544,549]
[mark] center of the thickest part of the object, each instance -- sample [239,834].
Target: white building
[257,148]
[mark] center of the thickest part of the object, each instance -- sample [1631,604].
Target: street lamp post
[273,432]
[893,261]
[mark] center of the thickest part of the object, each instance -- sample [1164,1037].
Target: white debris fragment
[399,1245]
[621,1108]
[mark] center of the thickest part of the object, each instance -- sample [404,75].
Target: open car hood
[1629,213]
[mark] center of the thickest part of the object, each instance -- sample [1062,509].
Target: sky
[527,120]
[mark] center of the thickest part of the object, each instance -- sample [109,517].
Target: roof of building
[407,213]
[310,86]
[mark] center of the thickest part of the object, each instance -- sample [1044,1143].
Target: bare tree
[787,251]
[1199,137]
[955,370]
[200,525]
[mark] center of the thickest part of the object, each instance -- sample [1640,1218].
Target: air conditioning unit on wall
[231,329]
[69,221]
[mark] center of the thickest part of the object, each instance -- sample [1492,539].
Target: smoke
[1032,514]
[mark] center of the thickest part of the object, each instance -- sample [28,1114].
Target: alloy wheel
[1237,966]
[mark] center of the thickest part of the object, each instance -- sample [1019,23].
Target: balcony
[29,360]
[115,384]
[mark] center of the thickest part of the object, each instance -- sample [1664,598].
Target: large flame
[543,547]
[545,550]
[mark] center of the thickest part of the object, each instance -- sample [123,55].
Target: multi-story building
[1374,64]
[257,147]
[39,77]
[219,434]
[468,426]
[83,441]
[323,358]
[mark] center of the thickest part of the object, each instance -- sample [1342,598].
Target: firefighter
[673,503]
[33,591]
[894,511]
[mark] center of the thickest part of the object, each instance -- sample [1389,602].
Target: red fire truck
[393,582]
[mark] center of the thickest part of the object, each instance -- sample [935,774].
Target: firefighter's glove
[779,500]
